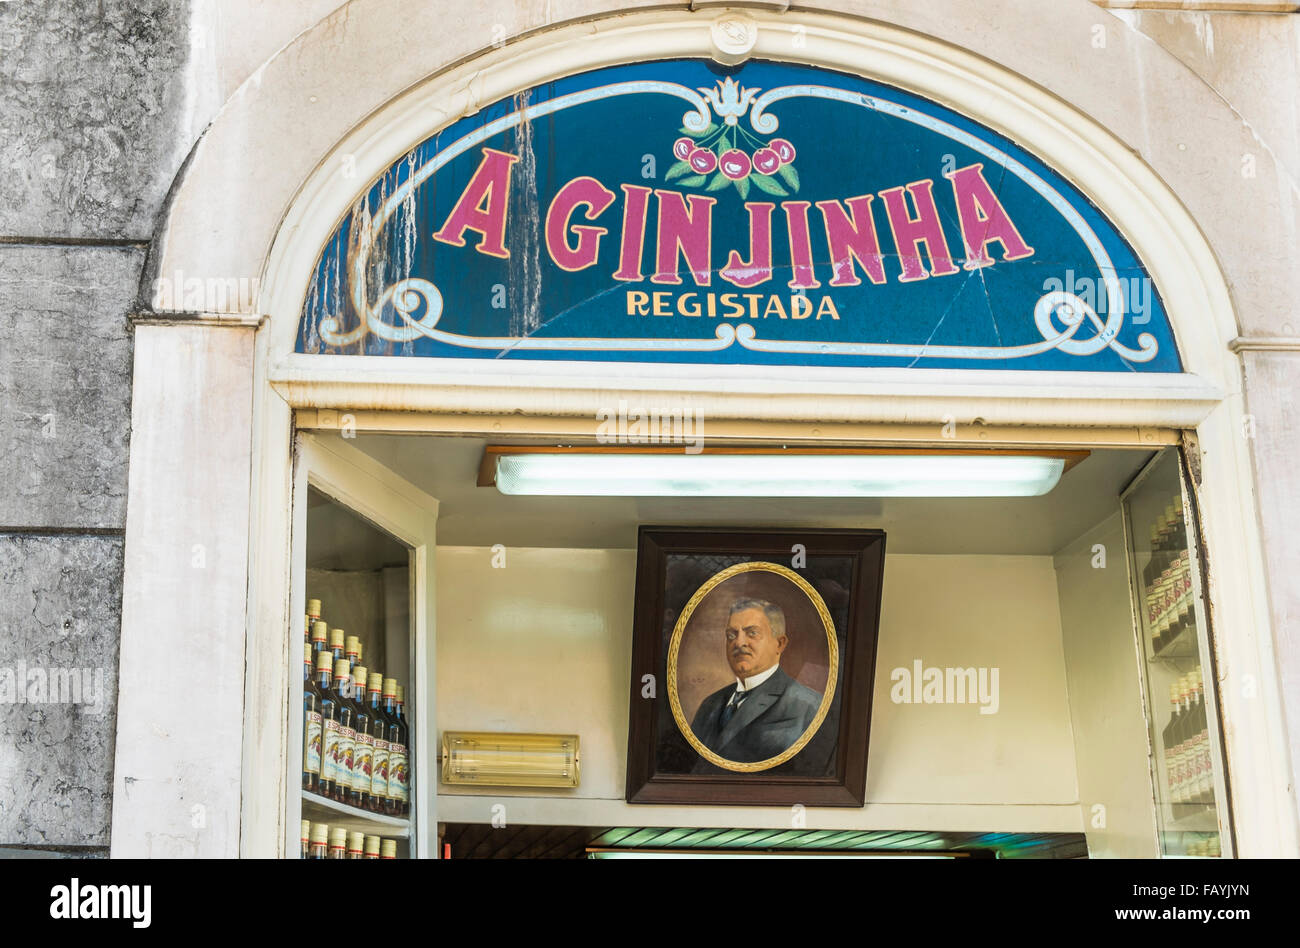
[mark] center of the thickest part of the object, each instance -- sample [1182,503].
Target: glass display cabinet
[359,709]
[1177,662]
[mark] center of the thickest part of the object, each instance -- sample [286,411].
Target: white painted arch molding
[285,131]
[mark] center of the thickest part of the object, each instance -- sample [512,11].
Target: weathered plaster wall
[1252,61]
[90,106]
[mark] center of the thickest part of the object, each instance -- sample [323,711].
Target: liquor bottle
[1167,738]
[329,723]
[336,644]
[338,843]
[410,751]
[1183,594]
[1189,597]
[1193,739]
[379,732]
[388,849]
[1149,572]
[306,839]
[320,632]
[352,649]
[313,614]
[356,845]
[1183,737]
[320,839]
[1169,614]
[347,731]
[372,847]
[1177,527]
[1201,724]
[397,762]
[311,726]
[363,751]
[1153,619]
[1159,598]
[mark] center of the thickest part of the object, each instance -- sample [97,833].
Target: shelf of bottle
[1192,817]
[320,809]
[1184,644]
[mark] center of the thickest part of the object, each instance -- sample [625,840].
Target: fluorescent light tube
[778,475]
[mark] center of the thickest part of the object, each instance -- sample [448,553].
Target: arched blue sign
[769,214]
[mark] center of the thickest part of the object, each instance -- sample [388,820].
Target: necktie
[732,705]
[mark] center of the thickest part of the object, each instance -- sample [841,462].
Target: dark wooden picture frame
[841,573]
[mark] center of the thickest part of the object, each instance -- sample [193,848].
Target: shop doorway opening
[1100,725]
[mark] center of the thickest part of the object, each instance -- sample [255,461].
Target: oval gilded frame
[674,645]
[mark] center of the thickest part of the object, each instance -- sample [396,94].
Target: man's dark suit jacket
[765,724]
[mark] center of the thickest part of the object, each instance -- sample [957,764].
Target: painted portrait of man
[764,710]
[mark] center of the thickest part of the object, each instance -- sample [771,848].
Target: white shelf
[320,809]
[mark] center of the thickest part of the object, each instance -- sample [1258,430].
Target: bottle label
[311,742]
[398,777]
[379,770]
[347,743]
[363,761]
[330,752]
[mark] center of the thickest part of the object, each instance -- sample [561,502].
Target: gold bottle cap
[390,687]
[372,845]
[376,682]
[389,849]
[320,832]
[306,651]
[342,669]
[351,644]
[320,630]
[313,608]
[401,694]
[359,675]
[336,638]
[355,841]
[324,661]
[339,837]
[306,829]
[360,650]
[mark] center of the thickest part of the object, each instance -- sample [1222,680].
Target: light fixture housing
[485,759]
[655,471]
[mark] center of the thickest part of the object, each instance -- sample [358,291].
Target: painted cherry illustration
[702,160]
[783,149]
[735,164]
[766,160]
[683,147]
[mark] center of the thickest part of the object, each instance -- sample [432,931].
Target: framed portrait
[753,661]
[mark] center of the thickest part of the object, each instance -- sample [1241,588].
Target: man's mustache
[741,650]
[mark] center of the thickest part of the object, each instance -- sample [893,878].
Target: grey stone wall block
[59,621]
[92,99]
[65,384]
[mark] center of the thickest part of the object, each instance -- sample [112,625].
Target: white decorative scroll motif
[730,103]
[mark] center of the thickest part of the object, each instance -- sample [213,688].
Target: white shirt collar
[753,681]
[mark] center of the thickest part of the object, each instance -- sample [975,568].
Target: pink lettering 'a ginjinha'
[758,269]
[685,231]
[851,235]
[635,201]
[911,232]
[578,192]
[490,185]
[801,258]
[983,219]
